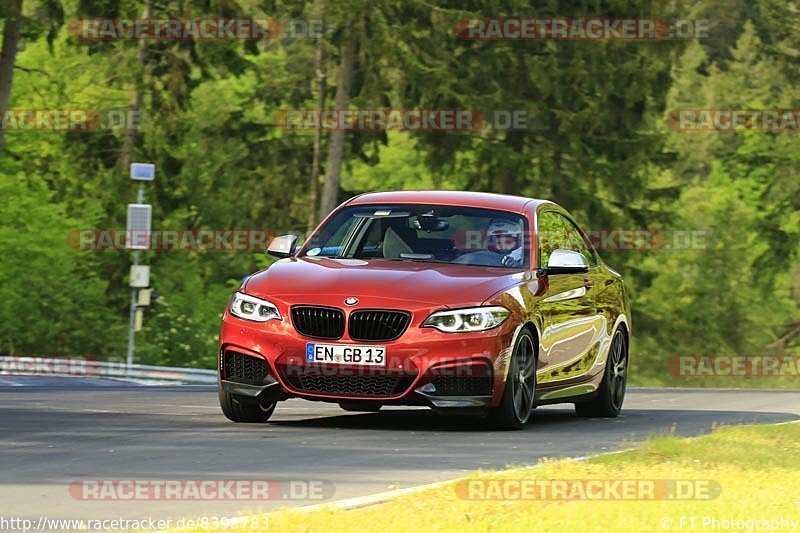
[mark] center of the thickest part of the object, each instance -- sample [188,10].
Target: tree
[736,293]
[8,57]
[333,166]
[313,186]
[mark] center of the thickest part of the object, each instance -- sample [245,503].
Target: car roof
[486,200]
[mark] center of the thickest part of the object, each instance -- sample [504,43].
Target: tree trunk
[313,185]
[333,166]
[7,59]
[136,101]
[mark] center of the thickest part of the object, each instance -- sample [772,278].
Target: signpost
[137,237]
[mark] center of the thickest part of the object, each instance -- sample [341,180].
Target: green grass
[757,469]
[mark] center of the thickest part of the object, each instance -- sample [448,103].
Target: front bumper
[424,366]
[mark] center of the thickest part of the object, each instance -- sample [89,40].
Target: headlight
[472,319]
[252,308]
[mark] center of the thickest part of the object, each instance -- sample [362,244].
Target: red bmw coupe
[455,300]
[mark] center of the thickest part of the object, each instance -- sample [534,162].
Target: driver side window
[556,231]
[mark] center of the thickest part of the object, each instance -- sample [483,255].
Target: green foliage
[736,295]
[53,298]
[399,166]
[597,143]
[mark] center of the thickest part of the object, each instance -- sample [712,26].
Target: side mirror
[283,246]
[566,262]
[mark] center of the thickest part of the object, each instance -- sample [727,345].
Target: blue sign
[143,171]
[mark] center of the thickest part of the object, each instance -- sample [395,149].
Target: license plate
[345,354]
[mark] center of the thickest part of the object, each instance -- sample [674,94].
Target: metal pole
[132,317]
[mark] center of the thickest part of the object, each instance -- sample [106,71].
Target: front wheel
[608,401]
[238,409]
[517,402]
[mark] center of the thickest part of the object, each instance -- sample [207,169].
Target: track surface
[66,429]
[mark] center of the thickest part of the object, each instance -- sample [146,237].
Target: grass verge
[747,473]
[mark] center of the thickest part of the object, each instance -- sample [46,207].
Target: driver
[505,237]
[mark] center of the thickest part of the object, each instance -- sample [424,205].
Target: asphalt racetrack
[56,431]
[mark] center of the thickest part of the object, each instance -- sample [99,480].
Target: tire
[237,409]
[361,407]
[607,403]
[517,402]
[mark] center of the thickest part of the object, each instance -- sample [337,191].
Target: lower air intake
[243,368]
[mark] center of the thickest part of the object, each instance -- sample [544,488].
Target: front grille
[243,368]
[462,385]
[319,322]
[377,325]
[349,385]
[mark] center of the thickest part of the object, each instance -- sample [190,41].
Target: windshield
[428,233]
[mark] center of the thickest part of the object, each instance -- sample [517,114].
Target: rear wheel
[239,409]
[517,402]
[608,401]
[361,407]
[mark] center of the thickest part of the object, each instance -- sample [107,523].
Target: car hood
[379,282]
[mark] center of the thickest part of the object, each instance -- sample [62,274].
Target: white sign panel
[144,297]
[138,226]
[140,276]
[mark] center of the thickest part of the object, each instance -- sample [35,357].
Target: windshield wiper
[421,258]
